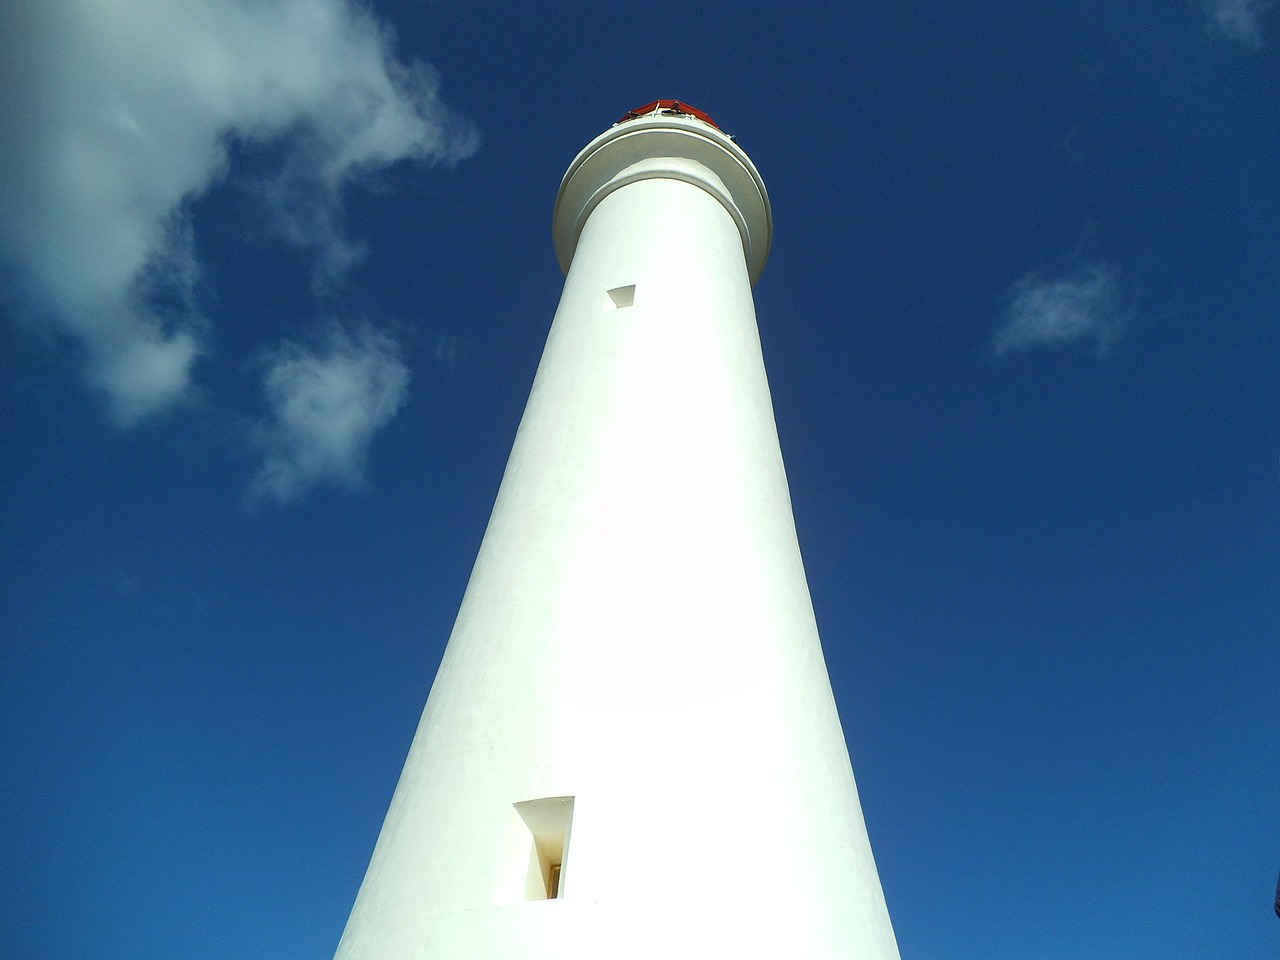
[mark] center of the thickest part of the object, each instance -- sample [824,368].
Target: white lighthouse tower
[631,748]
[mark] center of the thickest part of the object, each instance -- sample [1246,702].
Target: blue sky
[275,278]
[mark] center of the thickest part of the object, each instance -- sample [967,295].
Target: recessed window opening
[620,297]
[548,820]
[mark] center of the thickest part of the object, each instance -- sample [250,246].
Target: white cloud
[117,115]
[326,404]
[452,351]
[1083,307]
[1239,20]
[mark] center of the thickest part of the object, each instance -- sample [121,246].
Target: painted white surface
[637,632]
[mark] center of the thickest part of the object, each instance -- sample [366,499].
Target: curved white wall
[637,635]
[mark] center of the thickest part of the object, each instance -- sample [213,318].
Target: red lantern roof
[669,106]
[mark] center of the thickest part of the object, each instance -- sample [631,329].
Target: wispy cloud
[326,404]
[1046,313]
[451,351]
[1239,20]
[117,116]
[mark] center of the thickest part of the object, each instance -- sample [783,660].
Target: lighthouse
[631,748]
